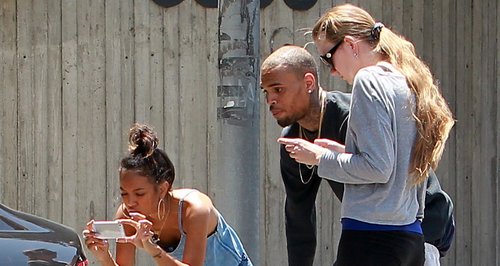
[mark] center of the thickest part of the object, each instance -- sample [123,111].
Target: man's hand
[303,151]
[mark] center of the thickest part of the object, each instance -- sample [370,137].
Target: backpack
[438,224]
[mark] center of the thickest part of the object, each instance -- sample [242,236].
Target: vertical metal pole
[238,129]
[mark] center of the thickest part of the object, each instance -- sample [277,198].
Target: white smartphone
[109,229]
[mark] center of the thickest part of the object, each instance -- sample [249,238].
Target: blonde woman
[397,129]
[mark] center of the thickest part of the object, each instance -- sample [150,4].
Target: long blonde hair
[432,114]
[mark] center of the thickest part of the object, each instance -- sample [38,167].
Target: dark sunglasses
[327,58]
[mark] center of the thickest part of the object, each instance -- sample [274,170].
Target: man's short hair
[292,58]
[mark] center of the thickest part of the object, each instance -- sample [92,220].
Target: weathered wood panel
[26,144]
[484,171]
[8,103]
[447,169]
[70,113]
[172,88]
[497,130]
[463,127]
[76,74]
[90,112]
[275,22]
[115,124]
[40,107]
[192,168]
[54,115]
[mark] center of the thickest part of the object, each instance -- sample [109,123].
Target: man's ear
[310,81]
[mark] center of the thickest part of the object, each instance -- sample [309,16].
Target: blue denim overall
[224,248]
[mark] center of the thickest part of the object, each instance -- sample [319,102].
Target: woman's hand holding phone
[97,234]
[98,246]
[143,234]
[108,229]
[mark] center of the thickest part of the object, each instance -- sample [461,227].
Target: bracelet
[159,254]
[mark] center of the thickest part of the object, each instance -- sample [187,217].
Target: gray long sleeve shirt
[379,141]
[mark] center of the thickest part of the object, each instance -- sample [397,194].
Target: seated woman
[174,226]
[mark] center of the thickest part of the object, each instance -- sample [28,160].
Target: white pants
[431,255]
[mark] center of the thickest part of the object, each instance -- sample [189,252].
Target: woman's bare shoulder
[196,203]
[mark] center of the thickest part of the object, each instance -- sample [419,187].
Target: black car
[27,239]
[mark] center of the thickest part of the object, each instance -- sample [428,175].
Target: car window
[8,225]
[4,226]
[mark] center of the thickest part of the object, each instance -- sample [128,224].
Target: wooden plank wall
[75,74]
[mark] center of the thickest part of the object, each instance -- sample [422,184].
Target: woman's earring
[162,203]
[309,91]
